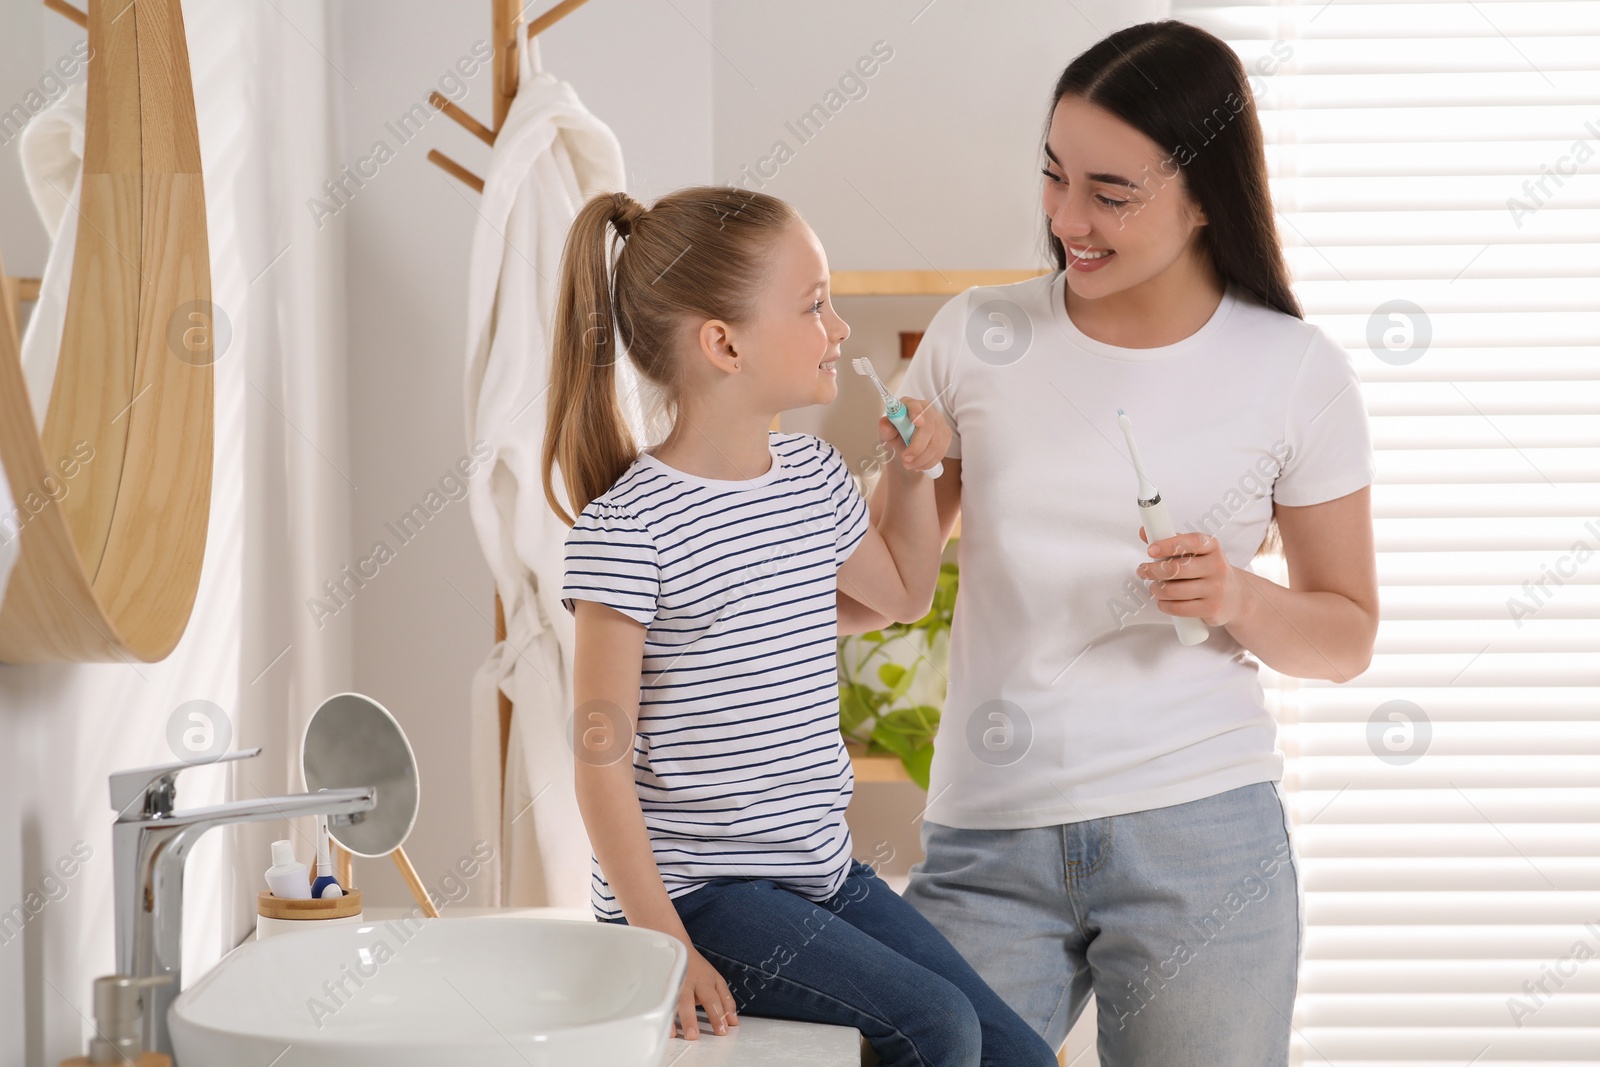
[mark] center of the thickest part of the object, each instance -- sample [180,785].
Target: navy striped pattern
[739,764]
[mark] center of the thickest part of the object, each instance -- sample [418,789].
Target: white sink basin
[418,993]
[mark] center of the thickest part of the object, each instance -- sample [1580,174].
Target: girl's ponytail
[586,432]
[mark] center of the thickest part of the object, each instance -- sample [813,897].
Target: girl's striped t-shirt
[739,764]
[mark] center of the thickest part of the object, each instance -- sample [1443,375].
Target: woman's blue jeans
[1186,922]
[863,958]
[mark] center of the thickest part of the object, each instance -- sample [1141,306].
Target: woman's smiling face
[1110,189]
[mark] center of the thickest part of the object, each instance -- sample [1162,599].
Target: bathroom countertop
[755,1042]
[770,1043]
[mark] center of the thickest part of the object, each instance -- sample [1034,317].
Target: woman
[1104,813]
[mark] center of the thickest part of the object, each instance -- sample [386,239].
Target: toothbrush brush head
[863,365]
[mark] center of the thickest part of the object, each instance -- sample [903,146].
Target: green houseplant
[892,682]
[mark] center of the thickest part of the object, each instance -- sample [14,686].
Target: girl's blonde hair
[703,252]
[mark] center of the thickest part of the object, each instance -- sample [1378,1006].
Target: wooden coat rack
[507,16]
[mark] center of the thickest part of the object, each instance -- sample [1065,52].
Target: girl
[703,575]
[1105,795]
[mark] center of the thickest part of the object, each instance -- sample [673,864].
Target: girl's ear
[716,345]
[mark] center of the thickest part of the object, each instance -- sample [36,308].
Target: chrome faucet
[149,844]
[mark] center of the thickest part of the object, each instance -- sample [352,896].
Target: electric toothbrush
[326,886]
[894,409]
[1158,526]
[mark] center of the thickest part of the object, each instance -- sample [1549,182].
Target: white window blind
[1451,854]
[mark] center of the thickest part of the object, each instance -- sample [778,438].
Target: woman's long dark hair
[1187,91]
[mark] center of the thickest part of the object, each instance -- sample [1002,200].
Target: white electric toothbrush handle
[901,418]
[1157,527]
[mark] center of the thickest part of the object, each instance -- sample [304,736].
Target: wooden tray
[279,908]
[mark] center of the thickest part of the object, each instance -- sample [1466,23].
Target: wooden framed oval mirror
[113,494]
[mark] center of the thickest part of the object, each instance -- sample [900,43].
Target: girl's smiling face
[1110,189]
[793,339]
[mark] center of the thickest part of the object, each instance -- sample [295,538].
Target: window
[1436,172]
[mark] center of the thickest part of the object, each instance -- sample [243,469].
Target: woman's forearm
[1303,633]
[609,804]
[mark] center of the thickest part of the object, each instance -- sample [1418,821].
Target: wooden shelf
[875,768]
[920,282]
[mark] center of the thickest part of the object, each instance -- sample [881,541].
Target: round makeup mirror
[352,738]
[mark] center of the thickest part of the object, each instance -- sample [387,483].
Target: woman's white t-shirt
[1070,696]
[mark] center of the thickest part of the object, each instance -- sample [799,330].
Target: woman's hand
[929,440]
[1190,576]
[702,984]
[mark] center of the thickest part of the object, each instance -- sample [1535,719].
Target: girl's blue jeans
[1186,922]
[863,958]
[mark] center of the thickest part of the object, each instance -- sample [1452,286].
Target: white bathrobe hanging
[51,151]
[550,156]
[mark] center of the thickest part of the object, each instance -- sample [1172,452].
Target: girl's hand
[1192,577]
[702,984]
[929,440]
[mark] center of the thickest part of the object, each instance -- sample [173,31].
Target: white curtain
[279,526]
[275,144]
